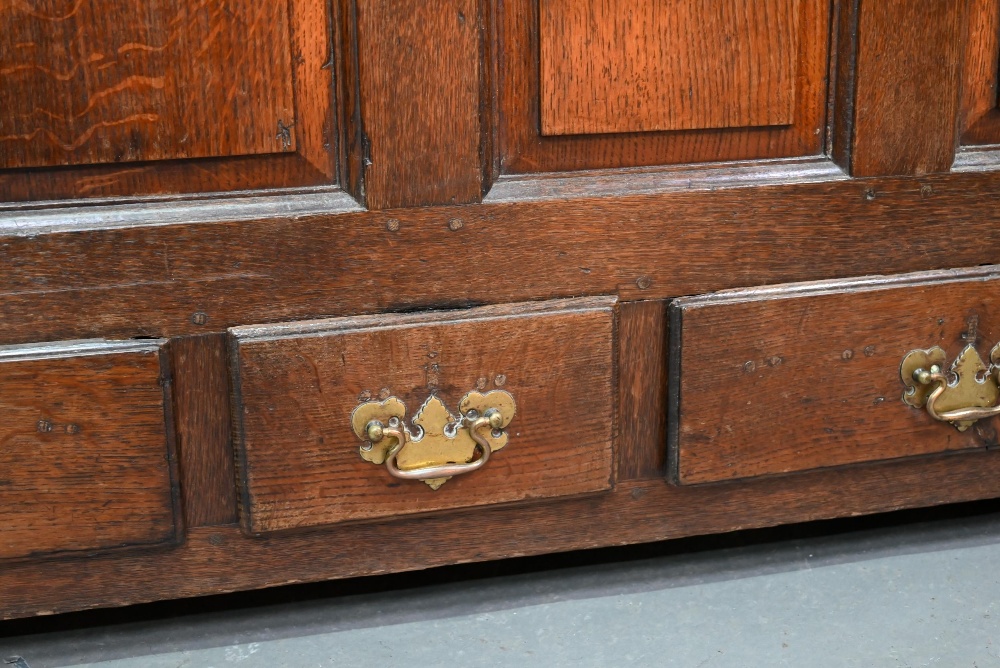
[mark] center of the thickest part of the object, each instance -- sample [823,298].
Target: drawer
[798,377]
[305,394]
[85,459]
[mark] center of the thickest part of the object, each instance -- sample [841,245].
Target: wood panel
[420,101]
[89,82]
[523,148]
[204,436]
[166,98]
[799,377]
[150,281]
[618,66]
[980,120]
[298,384]
[642,386]
[84,448]
[907,82]
[633,512]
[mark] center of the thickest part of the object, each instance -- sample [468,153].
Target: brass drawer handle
[444,446]
[968,392]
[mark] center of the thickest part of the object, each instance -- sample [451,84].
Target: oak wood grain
[807,377]
[642,387]
[113,81]
[150,281]
[314,60]
[228,138]
[297,385]
[84,449]
[523,148]
[167,177]
[420,88]
[980,119]
[633,512]
[907,83]
[617,66]
[204,437]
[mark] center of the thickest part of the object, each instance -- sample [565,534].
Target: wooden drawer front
[84,451]
[298,384]
[800,377]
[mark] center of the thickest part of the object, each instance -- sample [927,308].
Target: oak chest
[301,291]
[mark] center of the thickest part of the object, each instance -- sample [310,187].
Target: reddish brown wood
[92,82]
[524,149]
[286,170]
[150,281]
[314,60]
[789,379]
[642,387]
[257,116]
[634,512]
[354,145]
[907,87]
[843,70]
[420,94]
[617,66]
[84,451]
[980,120]
[204,439]
[297,386]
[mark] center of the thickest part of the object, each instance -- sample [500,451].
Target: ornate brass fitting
[966,393]
[444,445]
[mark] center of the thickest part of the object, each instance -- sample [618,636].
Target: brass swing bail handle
[967,392]
[377,432]
[933,376]
[435,444]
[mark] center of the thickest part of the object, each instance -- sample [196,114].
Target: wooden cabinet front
[296,197]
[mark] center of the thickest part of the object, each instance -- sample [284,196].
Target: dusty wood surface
[84,451]
[297,388]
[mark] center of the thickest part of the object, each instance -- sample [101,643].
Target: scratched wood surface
[96,81]
[84,453]
[621,66]
[296,389]
[788,381]
[753,87]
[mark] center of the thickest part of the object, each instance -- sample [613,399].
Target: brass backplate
[438,437]
[971,383]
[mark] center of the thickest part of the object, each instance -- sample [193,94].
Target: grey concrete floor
[919,589]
